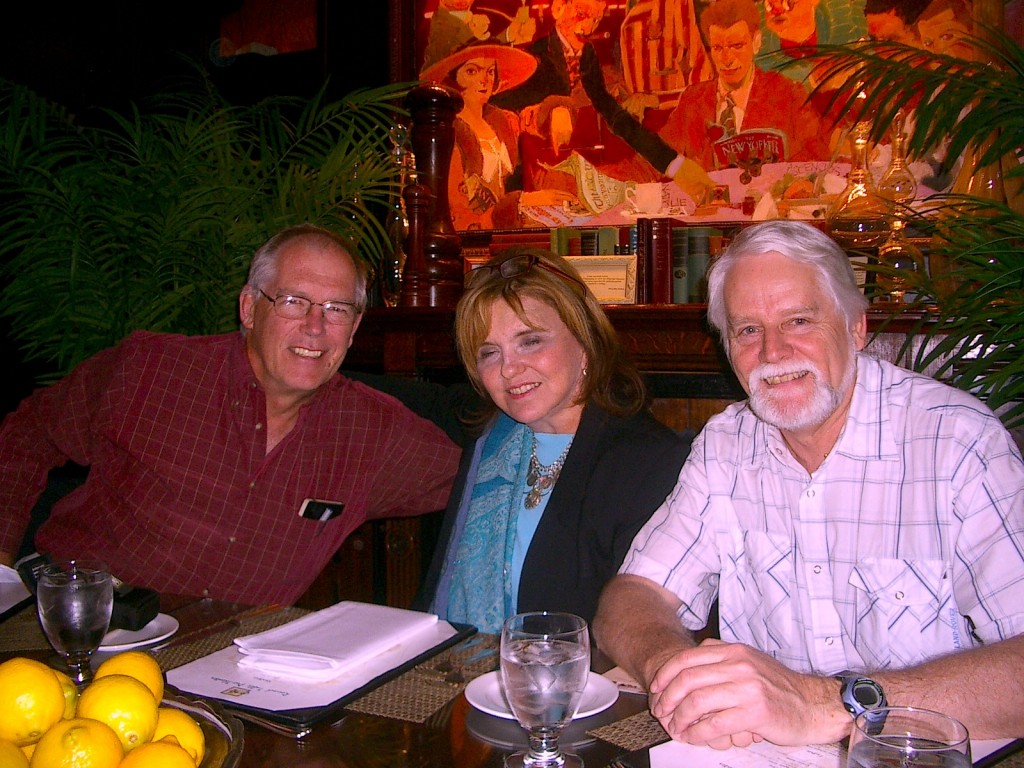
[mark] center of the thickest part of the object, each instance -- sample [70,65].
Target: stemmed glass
[908,737]
[74,600]
[545,661]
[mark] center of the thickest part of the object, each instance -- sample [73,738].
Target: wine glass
[545,661]
[908,737]
[74,600]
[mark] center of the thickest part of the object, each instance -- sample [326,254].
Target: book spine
[660,261]
[643,260]
[607,240]
[680,283]
[697,262]
[566,241]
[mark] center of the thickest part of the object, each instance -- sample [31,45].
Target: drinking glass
[545,661]
[74,600]
[908,737]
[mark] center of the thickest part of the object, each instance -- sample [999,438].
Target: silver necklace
[541,479]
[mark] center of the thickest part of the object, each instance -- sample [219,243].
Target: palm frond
[955,100]
[971,301]
[149,220]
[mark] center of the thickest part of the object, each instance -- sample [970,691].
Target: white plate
[485,694]
[160,628]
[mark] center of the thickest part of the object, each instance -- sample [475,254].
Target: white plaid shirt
[907,542]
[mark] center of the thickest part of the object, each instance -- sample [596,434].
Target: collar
[567,49]
[740,96]
[240,371]
[862,438]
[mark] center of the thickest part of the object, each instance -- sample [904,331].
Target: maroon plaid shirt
[181,495]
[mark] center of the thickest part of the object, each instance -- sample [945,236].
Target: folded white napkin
[325,644]
[12,590]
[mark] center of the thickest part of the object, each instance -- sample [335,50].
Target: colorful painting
[570,104]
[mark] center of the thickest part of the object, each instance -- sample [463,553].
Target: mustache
[773,370]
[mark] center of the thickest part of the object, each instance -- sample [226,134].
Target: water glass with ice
[545,661]
[74,600]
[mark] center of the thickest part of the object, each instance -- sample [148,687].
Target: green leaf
[149,220]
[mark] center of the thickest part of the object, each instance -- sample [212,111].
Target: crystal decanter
[858,218]
[898,257]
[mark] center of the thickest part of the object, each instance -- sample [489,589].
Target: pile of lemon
[116,721]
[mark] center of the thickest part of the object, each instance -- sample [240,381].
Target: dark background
[106,54]
[103,53]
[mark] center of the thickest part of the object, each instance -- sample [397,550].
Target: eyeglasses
[514,266]
[297,307]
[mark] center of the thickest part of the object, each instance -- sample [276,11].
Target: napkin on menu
[326,644]
[12,590]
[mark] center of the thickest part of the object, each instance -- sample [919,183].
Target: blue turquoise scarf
[479,592]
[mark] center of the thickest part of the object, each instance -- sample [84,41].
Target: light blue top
[549,448]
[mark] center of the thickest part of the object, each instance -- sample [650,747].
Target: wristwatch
[861,694]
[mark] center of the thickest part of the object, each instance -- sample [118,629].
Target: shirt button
[252,485]
[206,593]
[899,594]
[817,570]
[829,640]
[231,539]
[258,426]
[810,493]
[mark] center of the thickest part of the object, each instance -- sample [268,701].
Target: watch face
[867,693]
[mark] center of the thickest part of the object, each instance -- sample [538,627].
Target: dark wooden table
[457,736]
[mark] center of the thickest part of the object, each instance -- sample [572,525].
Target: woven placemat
[212,639]
[420,692]
[639,731]
[21,632]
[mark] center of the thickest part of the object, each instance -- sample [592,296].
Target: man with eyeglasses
[228,466]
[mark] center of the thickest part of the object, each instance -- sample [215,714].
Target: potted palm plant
[149,219]
[971,301]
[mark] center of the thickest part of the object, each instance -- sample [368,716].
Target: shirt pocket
[905,611]
[763,578]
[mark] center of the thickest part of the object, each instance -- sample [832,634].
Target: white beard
[797,416]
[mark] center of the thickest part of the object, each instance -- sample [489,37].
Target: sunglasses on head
[514,266]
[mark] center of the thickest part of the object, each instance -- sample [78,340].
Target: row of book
[671,256]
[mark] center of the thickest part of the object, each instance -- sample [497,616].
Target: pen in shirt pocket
[321,511]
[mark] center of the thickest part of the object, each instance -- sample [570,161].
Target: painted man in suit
[742,97]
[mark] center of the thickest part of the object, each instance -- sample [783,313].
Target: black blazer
[616,475]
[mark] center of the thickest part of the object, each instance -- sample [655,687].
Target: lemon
[11,755]
[78,743]
[70,694]
[137,664]
[123,703]
[31,700]
[174,722]
[158,754]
